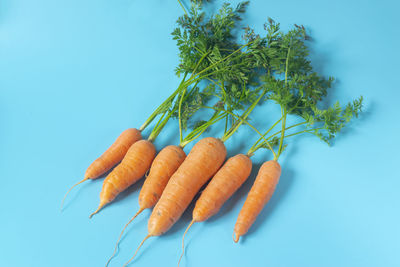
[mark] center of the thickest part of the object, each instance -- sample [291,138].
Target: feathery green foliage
[298,89]
[207,51]
[220,68]
[212,41]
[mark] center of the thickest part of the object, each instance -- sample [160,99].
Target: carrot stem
[120,236]
[163,104]
[141,244]
[226,124]
[305,131]
[251,126]
[198,131]
[62,202]
[284,114]
[156,131]
[287,128]
[183,241]
[184,9]
[180,116]
[270,129]
[221,60]
[266,141]
[242,118]
[160,120]
[272,135]
[283,110]
[194,78]
[183,85]
[220,86]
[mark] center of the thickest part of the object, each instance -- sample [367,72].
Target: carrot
[163,167]
[134,165]
[203,161]
[260,193]
[221,187]
[114,154]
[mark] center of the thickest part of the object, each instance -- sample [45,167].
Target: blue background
[74,74]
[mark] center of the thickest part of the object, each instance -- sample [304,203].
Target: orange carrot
[260,193]
[134,165]
[221,187]
[114,154]
[203,161]
[201,164]
[163,167]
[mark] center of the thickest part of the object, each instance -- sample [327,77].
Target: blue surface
[74,74]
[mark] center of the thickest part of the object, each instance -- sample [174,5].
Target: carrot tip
[183,240]
[134,255]
[120,236]
[69,190]
[96,211]
[235,237]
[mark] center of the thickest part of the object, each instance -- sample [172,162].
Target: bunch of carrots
[227,80]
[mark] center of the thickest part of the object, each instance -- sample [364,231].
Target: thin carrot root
[98,209]
[120,236]
[141,244]
[69,190]
[183,241]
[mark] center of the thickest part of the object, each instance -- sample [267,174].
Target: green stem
[251,126]
[270,129]
[163,105]
[265,140]
[236,126]
[269,137]
[222,88]
[160,120]
[180,116]
[157,131]
[158,110]
[193,78]
[305,131]
[287,65]
[283,131]
[226,124]
[198,64]
[283,109]
[184,84]
[223,59]
[200,130]
[184,9]
[287,128]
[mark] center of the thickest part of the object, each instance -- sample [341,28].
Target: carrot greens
[300,92]
[208,54]
[232,75]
